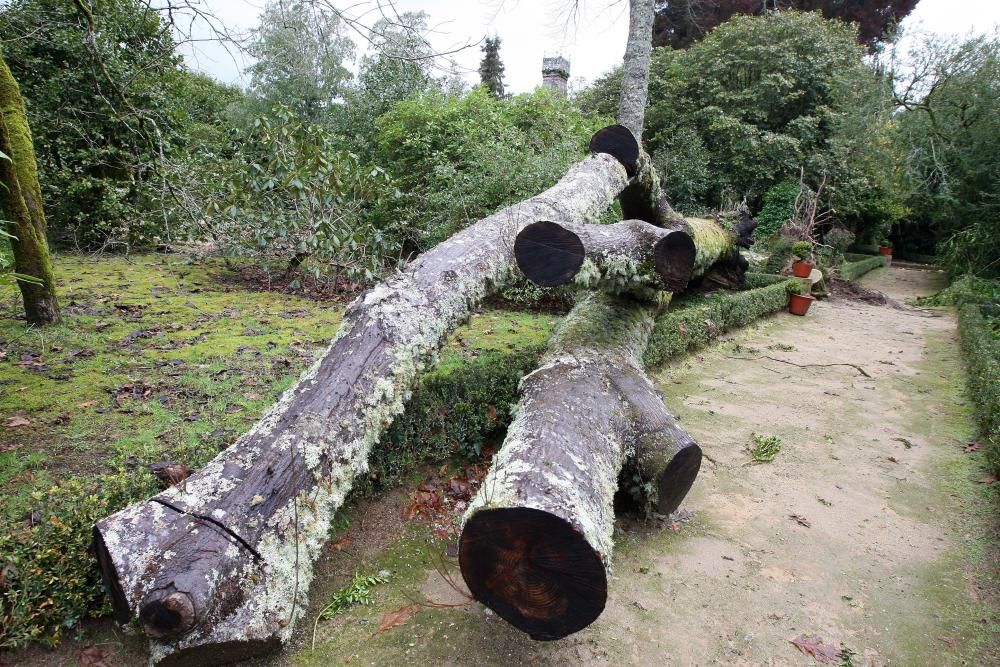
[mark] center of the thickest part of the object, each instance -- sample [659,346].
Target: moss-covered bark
[21,204]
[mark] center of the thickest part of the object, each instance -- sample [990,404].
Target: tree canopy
[680,23]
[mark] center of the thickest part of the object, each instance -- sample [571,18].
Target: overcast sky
[593,40]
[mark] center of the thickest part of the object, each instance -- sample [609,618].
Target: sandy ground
[890,554]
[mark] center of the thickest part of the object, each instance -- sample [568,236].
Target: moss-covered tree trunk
[21,205]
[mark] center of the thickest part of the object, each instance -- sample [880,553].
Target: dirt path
[874,466]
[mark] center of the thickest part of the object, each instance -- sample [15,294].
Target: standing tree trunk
[635,74]
[218,568]
[21,205]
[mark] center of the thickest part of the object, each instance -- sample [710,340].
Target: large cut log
[218,568]
[623,256]
[665,460]
[536,542]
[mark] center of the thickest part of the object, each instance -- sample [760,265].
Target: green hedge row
[50,581]
[854,270]
[695,326]
[455,411]
[982,358]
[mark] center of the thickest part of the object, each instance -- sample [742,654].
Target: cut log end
[619,142]
[677,479]
[534,570]
[548,254]
[167,615]
[674,256]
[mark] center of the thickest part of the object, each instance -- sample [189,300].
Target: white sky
[594,42]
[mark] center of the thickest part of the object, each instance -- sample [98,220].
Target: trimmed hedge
[455,411]
[692,327]
[982,358]
[755,280]
[854,270]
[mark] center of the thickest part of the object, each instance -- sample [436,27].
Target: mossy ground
[161,358]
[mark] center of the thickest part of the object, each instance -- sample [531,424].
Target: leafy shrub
[981,350]
[692,327]
[967,289]
[779,201]
[457,160]
[50,581]
[300,197]
[854,270]
[839,239]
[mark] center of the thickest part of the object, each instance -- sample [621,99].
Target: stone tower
[555,74]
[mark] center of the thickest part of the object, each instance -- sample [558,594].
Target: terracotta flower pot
[802,269]
[885,250]
[799,304]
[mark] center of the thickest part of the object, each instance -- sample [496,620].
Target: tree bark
[635,74]
[536,543]
[667,460]
[21,205]
[223,562]
[623,256]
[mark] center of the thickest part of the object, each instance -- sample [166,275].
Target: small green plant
[846,656]
[358,592]
[764,447]
[783,347]
[803,250]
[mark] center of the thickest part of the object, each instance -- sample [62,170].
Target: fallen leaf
[949,641]
[989,479]
[341,544]
[971,447]
[13,422]
[398,617]
[252,396]
[94,656]
[801,520]
[87,404]
[892,459]
[906,443]
[814,647]
[61,419]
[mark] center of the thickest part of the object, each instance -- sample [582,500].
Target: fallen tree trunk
[622,256]
[666,460]
[718,259]
[218,568]
[536,543]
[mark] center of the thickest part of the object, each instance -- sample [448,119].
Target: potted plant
[885,247]
[803,264]
[798,304]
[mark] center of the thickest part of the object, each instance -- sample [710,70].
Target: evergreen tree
[491,68]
